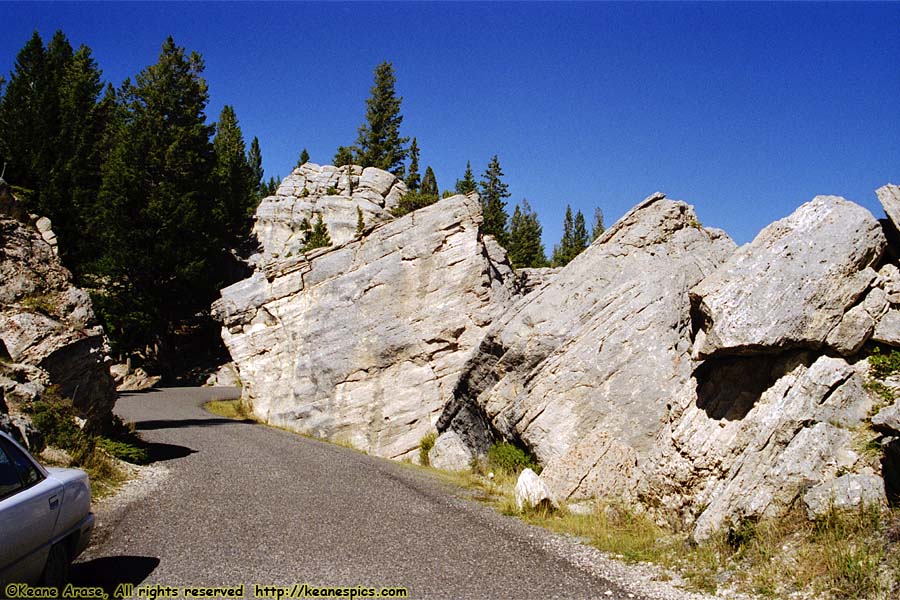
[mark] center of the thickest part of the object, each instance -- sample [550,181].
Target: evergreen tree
[304,158]
[379,143]
[51,131]
[429,185]
[598,227]
[493,192]
[343,157]
[269,188]
[254,160]
[467,184]
[318,237]
[412,178]
[235,195]
[574,239]
[580,239]
[525,246]
[160,246]
[20,118]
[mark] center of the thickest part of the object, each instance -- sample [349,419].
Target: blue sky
[743,110]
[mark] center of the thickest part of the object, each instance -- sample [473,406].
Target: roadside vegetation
[105,459]
[852,554]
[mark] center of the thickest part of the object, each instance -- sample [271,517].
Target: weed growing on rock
[425,446]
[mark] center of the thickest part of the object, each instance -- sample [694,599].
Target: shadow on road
[111,571]
[174,424]
[158,452]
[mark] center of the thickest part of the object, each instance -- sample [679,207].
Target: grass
[230,409]
[43,303]
[845,555]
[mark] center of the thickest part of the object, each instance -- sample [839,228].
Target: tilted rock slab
[795,284]
[333,192]
[581,369]
[771,413]
[364,343]
[48,332]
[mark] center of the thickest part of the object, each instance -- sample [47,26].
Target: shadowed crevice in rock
[729,386]
[890,470]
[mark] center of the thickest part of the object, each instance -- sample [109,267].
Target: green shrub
[332,191]
[413,201]
[124,450]
[425,446]
[883,365]
[510,458]
[54,416]
[44,303]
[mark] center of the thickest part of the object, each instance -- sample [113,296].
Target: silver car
[45,518]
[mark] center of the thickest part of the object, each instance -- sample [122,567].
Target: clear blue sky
[743,110]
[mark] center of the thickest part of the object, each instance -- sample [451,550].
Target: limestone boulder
[48,332]
[364,342]
[795,285]
[889,196]
[580,369]
[338,194]
[532,492]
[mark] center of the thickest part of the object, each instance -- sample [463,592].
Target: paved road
[245,503]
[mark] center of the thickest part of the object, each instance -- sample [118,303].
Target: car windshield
[28,473]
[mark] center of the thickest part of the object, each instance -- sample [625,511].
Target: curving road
[245,503]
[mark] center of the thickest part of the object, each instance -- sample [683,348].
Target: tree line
[147,198]
[379,144]
[150,201]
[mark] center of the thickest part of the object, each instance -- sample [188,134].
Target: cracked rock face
[580,370]
[795,284]
[364,343]
[48,333]
[334,192]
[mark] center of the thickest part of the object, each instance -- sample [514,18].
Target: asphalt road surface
[246,503]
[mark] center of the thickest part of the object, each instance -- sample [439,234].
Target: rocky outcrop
[662,365]
[127,379]
[338,194]
[798,284]
[778,410]
[48,333]
[364,343]
[581,369]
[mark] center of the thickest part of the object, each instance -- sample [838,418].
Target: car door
[29,506]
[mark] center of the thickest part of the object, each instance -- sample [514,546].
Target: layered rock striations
[48,332]
[363,343]
[580,371]
[662,365]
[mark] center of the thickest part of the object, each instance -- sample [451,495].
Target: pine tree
[379,143]
[160,247]
[271,186]
[580,239]
[574,239]
[467,184]
[525,246]
[304,158]
[318,237]
[254,160]
[412,177]
[235,198]
[598,227]
[51,130]
[493,192]
[429,185]
[343,157]
[20,118]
